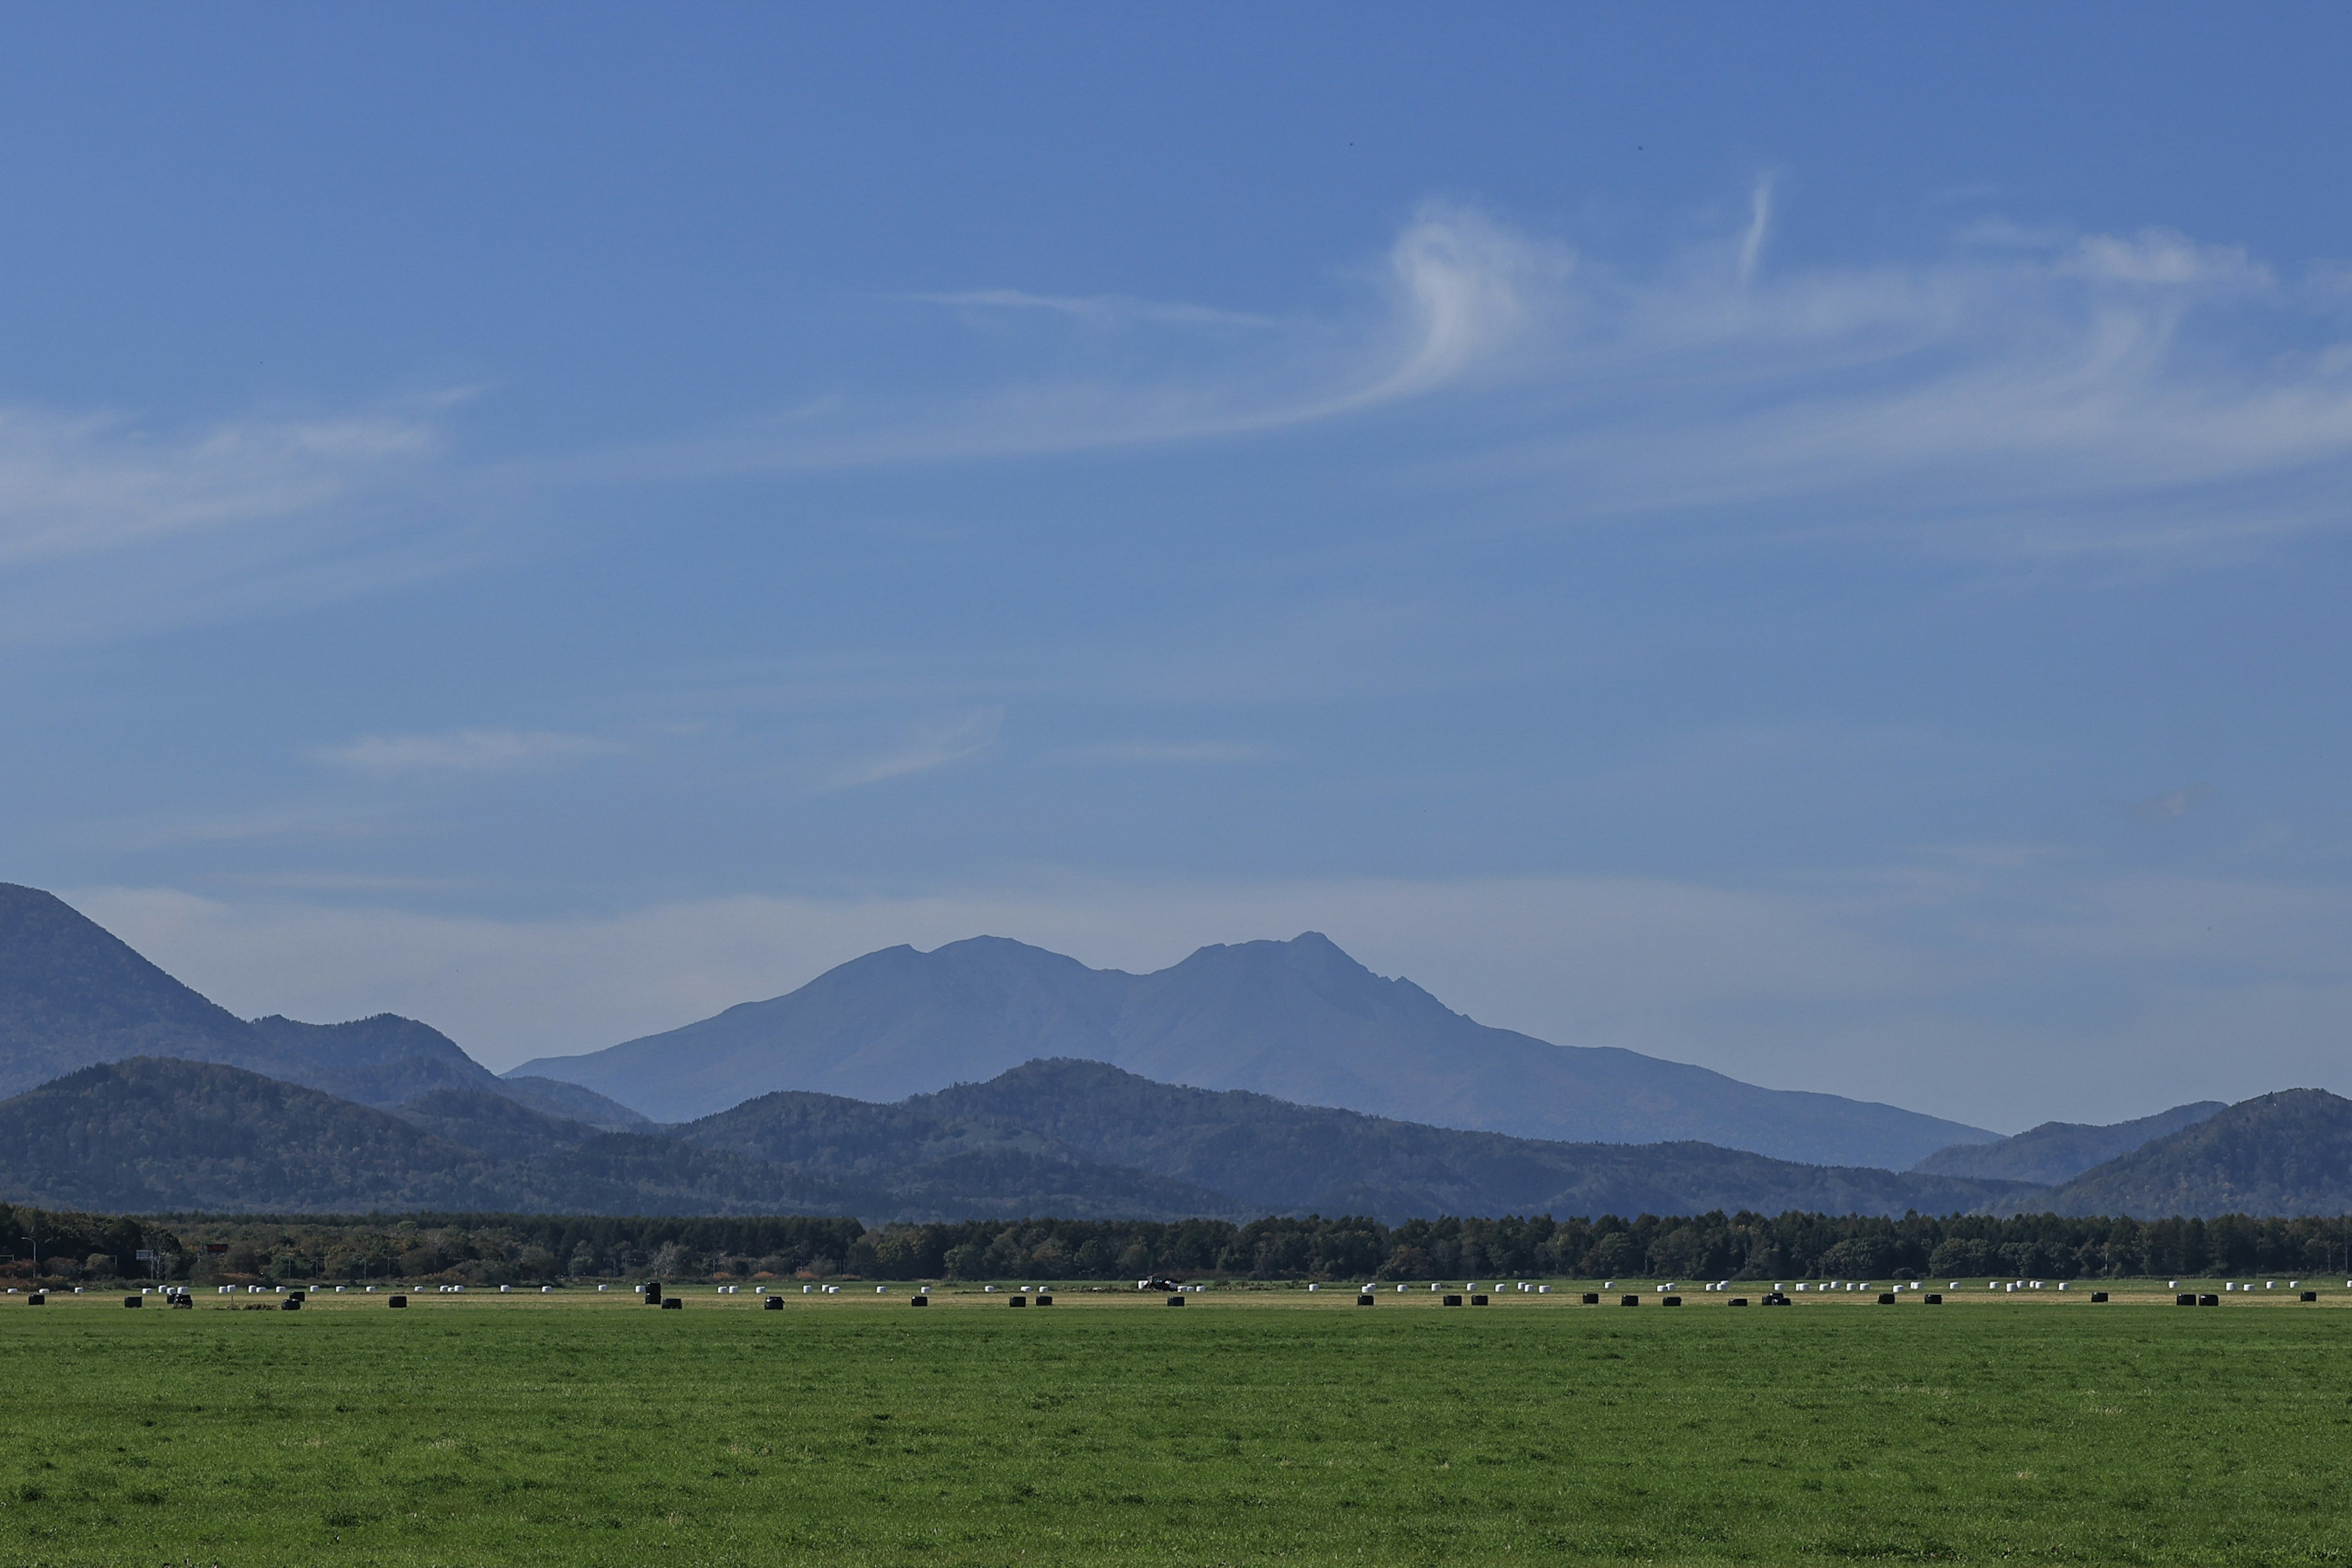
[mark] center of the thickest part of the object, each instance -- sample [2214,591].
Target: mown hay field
[1250,1427]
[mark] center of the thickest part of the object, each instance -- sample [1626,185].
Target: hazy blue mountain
[73,994]
[2058,1151]
[2287,1153]
[1299,1020]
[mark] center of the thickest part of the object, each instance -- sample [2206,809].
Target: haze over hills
[2058,1151]
[156,1098]
[150,1135]
[73,994]
[2285,1153]
[1078,1140]
[1299,1021]
[1267,1156]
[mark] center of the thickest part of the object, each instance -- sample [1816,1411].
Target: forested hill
[156,1135]
[2284,1154]
[2058,1151]
[1262,1154]
[1074,1139]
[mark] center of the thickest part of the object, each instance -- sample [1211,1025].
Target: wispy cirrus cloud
[2171,805]
[465,752]
[293,821]
[111,525]
[1452,297]
[1099,309]
[80,486]
[1180,754]
[918,750]
[2030,387]
[2057,393]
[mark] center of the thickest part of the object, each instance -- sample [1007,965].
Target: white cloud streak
[1181,754]
[74,487]
[465,752]
[921,749]
[1455,295]
[2029,390]
[109,527]
[1099,309]
[1760,224]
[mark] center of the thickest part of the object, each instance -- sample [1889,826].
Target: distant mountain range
[1080,1139]
[2058,1151]
[1298,1020]
[140,1095]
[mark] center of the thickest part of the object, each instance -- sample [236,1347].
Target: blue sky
[1808,541]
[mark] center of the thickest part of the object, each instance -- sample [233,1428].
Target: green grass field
[1252,1426]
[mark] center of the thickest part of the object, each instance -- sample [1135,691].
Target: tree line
[519,1248]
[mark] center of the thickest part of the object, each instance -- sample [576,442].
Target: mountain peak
[73,993]
[1298,1020]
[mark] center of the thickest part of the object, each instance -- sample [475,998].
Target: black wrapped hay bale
[1017,1302]
[772,1304]
[653,1294]
[291,1304]
[1045,1299]
[1365,1299]
[1887,1298]
[2208,1300]
[1629,1301]
[2311,1295]
[1934,1300]
[397,1301]
[674,1303]
[1739,1301]
[2098,1295]
[1592,1298]
[1175,1300]
[1672,1301]
[134,1301]
[38,1298]
[2184,1299]
[1454,1300]
[919,1302]
[1477,1300]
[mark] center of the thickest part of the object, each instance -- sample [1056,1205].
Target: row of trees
[519,1248]
[1713,1246]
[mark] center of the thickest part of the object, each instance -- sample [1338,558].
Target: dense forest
[523,1248]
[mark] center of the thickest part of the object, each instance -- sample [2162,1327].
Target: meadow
[1252,1426]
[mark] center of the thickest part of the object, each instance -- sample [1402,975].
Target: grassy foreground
[1276,1427]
